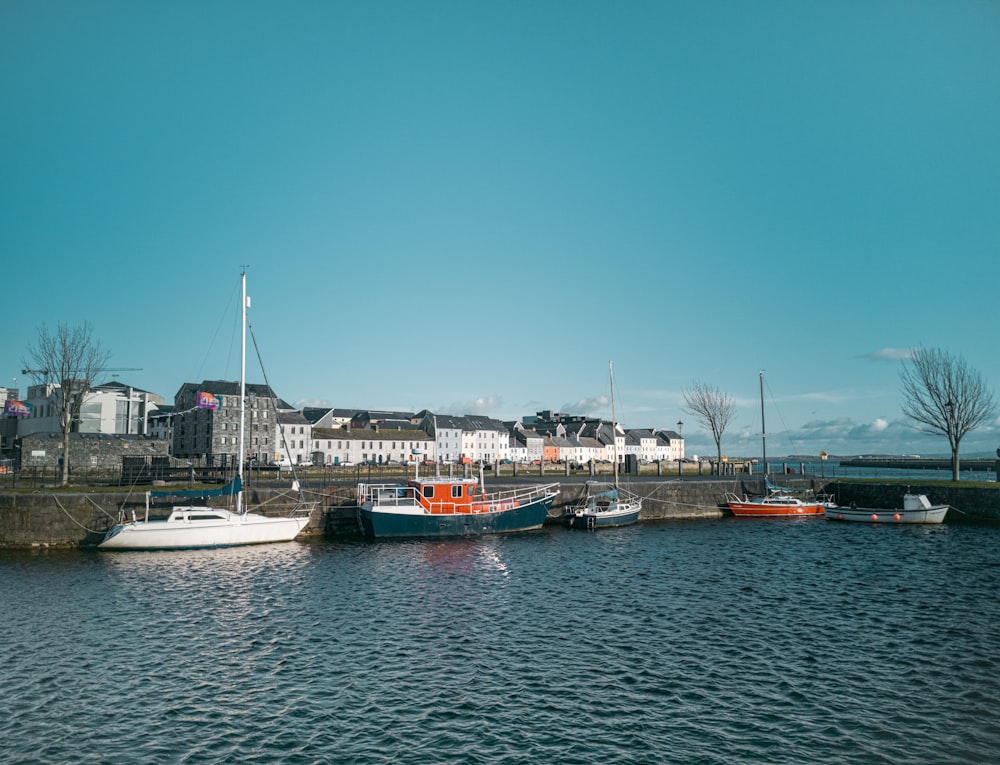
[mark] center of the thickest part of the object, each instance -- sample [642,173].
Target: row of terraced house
[277,433]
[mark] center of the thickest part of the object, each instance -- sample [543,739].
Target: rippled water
[706,642]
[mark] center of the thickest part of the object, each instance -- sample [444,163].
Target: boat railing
[390,494]
[393,494]
[523,494]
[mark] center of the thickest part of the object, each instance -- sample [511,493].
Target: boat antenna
[763,430]
[614,425]
[243,387]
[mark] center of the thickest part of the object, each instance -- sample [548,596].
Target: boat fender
[874,516]
[897,516]
[840,516]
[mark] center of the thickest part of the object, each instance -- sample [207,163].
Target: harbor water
[970,471]
[723,641]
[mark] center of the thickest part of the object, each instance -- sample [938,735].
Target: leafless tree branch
[712,408]
[71,359]
[943,396]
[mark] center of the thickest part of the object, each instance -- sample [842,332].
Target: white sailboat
[194,526]
[606,506]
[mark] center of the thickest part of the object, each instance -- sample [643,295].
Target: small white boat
[613,506]
[916,509]
[605,506]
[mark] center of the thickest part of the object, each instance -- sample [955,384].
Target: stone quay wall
[51,518]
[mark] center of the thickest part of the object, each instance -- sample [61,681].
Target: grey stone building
[210,436]
[99,452]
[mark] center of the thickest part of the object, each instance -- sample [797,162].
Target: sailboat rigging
[194,526]
[777,502]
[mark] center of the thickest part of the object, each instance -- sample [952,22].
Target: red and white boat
[778,502]
[773,506]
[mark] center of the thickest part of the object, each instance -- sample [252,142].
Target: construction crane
[47,372]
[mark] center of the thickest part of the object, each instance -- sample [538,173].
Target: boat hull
[758,510]
[249,529]
[935,514]
[595,519]
[389,523]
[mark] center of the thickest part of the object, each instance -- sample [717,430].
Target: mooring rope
[680,504]
[99,508]
[89,531]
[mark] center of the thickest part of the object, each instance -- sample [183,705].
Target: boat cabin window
[456,491]
[428,491]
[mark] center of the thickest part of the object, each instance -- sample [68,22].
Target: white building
[346,446]
[671,445]
[526,445]
[642,443]
[293,439]
[112,408]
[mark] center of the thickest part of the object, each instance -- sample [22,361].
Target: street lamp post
[680,458]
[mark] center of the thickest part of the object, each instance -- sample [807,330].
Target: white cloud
[483,405]
[592,405]
[891,354]
[879,424]
[306,403]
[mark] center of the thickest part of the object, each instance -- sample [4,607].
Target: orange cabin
[447,496]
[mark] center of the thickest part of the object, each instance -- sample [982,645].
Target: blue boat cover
[233,487]
[609,494]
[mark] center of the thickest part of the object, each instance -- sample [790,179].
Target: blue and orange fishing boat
[450,507]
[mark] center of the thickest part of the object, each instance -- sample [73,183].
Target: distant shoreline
[920,463]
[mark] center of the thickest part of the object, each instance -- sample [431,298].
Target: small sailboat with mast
[196,526]
[779,501]
[605,505]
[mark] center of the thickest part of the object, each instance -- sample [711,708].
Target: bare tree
[67,362]
[945,397]
[713,409]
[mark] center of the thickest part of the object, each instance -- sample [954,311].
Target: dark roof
[670,435]
[367,434]
[229,388]
[119,386]
[469,422]
[640,433]
[315,413]
[291,418]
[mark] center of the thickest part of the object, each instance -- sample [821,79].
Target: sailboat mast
[763,430]
[614,425]
[243,387]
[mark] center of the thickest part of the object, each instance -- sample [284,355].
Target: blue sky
[473,207]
